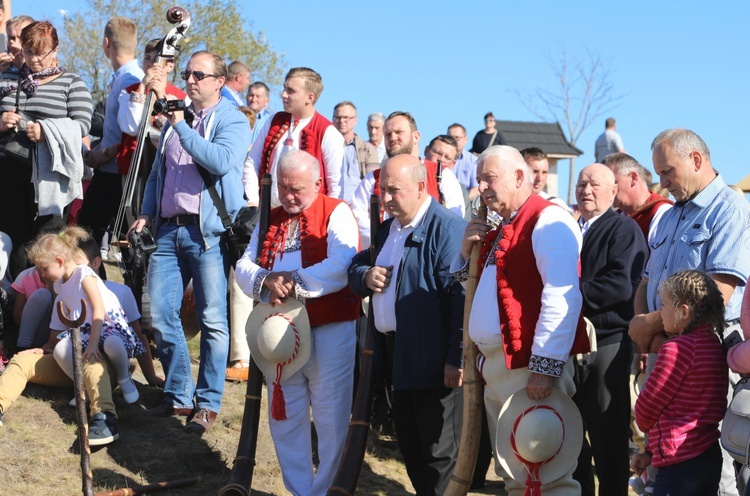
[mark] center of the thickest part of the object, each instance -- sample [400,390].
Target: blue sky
[677,64]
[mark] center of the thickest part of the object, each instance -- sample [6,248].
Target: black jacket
[613,256]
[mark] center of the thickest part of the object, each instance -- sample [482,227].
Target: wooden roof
[548,136]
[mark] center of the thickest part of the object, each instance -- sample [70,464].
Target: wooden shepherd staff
[347,475]
[80,392]
[471,430]
[241,477]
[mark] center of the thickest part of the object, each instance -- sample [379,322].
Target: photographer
[188,232]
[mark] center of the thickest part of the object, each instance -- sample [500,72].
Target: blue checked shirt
[708,233]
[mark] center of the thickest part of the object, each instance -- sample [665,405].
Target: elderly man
[466,163]
[238,79]
[526,335]
[414,250]
[633,197]
[402,137]
[313,238]
[258,97]
[360,157]
[612,259]
[299,127]
[375,123]
[706,229]
[188,229]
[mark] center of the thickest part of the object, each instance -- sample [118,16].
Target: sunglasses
[198,75]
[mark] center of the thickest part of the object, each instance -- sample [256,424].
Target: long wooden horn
[350,466]
[471,429]
[241,477]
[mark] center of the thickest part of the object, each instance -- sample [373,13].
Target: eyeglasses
[343,118]
[198,75]
[28,55]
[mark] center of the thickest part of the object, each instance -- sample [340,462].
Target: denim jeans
[696,477]
[181,255]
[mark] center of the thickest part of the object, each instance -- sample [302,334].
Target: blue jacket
[429,302]
[222,153]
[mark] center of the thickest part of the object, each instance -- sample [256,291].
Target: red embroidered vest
[310,140]
[519,288]
[335,307]
[432,185]
[128,143]
[645,213]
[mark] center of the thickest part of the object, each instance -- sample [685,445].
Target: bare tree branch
[583,91]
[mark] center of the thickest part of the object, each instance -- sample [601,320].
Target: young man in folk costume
[299,127]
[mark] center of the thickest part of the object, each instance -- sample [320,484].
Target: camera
[142,245]
[162,105]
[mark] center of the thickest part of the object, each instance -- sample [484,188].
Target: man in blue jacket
[188,230]
[418,311]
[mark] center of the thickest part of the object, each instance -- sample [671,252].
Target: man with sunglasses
[188,232]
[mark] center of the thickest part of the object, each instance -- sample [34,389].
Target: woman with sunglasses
[52,108]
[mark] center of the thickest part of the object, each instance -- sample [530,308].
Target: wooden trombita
[241,477]
[347,475]
[471,430]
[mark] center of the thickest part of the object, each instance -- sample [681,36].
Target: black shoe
[103,429]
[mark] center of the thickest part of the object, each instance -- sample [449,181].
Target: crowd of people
[569,302]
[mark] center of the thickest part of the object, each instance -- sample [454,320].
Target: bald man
[418,311]
[613,256]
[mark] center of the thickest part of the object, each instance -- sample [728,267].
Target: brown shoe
[201,421]
[167,409]
[238,371]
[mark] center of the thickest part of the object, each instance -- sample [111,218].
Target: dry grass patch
[38,438]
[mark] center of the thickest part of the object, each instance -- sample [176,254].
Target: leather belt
[181,220]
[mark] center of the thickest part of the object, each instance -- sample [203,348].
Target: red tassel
[278,405]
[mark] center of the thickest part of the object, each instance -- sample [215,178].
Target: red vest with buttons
[311,141]
[519,292]
[645,213]
[341,306]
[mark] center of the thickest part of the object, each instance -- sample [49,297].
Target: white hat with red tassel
[279,341]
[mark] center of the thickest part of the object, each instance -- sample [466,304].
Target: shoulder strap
[226,221]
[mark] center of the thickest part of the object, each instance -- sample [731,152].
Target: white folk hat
[279,341]
[538,441]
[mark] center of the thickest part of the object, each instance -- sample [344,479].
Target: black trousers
[100,203]
[603,397]
[428,429]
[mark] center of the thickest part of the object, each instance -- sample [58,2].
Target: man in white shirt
[537,161]
[402,138]
[528,335]
[375,123]
[299,127]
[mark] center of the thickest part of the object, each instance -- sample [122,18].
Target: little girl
[685,397]
[106,330]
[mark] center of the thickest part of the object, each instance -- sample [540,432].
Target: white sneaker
[129,391]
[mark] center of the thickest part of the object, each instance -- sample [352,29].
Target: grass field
[38,440]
